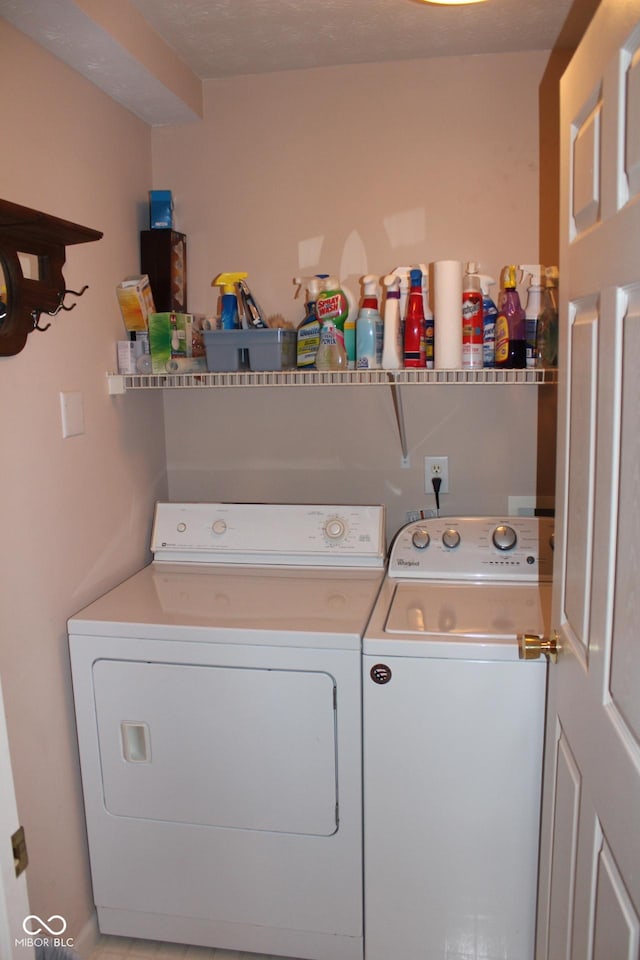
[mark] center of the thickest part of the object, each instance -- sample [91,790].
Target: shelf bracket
[399,411]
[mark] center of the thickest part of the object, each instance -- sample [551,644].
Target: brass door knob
[532,647]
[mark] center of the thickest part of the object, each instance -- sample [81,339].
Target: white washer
[453,738]
[218,705]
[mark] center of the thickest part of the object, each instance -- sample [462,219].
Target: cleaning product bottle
[472,322]
[350,330]
[510,326]
[308,337]
[489,314]
[331,353]
[332,304]
[229,313]
[414,345]
[547,327]
[535,271]
[428,319]
[369,335]
[391,336]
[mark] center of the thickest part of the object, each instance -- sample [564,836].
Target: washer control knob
[504,537]
[219,527]
[181,527]
[451,538]
[335,528]
[421,538]
[380,673]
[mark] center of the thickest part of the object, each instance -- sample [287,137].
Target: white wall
[352,170]
[76,513]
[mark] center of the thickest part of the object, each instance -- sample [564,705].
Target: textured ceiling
[220,38]
[223,38]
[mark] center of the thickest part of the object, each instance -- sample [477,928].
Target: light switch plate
[72,411]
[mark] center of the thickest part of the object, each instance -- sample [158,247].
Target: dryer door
[220,746]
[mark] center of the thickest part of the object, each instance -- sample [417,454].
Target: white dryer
[218,705]
[453,739]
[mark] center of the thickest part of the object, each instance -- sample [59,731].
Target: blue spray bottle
[229,311]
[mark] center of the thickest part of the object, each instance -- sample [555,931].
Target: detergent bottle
[331,353]
[472,321]
[332,304]
[547,326]
[489,314]
[308,336]
[369,331]
[414,340]
[229,312]
[534,271]
[510,326]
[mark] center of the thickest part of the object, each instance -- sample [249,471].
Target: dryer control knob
[219,527]
[421,539]
[335,528]
[451,538]
[504,537]
[181,527]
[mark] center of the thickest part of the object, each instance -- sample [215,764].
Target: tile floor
[120,948]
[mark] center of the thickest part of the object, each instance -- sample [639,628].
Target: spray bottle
[308,338]
[369,335]
[510,326]
[392,335]
[489,314]
[229,313]
[472,322]
[533,307]
[414,343]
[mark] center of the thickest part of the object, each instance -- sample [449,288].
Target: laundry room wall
[355,170]
[76,513]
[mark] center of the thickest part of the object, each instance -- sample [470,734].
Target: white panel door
[589,899]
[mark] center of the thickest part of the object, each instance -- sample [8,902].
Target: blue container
[160,210]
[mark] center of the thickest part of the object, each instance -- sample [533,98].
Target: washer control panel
[474,548]
[301,534]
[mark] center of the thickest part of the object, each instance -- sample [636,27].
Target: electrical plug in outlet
[436,467]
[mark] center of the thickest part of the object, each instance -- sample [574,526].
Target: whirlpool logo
[53,929]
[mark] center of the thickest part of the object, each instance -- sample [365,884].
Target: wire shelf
[121,383]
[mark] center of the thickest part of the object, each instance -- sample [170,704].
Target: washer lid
[475,620]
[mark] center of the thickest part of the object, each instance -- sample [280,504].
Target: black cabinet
[163,257]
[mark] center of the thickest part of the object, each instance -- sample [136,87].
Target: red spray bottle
[414,334]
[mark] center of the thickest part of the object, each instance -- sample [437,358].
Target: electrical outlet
[436,467]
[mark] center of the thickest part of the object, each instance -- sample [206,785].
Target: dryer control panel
[474,548]
[267,533]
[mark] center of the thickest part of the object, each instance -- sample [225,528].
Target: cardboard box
[175,341]
[136,302]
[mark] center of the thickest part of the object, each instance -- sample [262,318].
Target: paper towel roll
[447,314]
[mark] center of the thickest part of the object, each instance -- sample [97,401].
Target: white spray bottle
[533,307]
[396,284]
